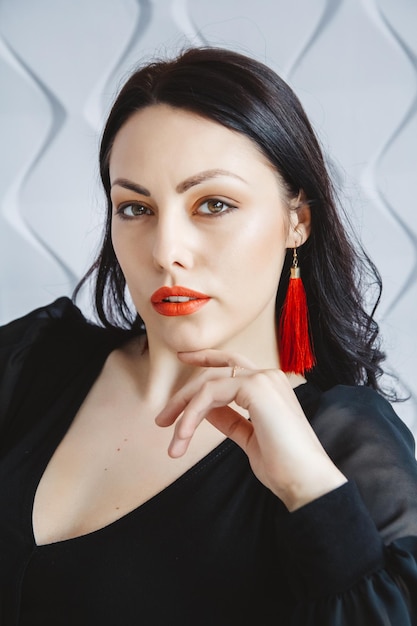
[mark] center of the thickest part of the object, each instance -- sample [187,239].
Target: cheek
[115,239]
[258,253]
[125,246]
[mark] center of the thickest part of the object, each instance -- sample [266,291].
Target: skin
[177,220]
[158,408]
[234,256]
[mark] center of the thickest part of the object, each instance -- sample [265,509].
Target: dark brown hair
[246,96]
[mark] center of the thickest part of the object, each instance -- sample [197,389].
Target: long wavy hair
[246,96]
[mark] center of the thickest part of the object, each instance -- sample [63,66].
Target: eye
[214,206]
[133,209]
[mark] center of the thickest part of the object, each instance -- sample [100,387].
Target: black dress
[216,547]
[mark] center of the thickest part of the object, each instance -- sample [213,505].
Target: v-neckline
[221,449]
[59,431]
[62,428]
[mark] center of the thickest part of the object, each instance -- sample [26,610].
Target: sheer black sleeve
[352,554]
[40,354]
[17,340]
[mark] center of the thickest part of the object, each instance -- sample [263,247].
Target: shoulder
[59,321]
[61,317]
[373,447]
[26,328]
[360,412]
[19,336]
[44,347]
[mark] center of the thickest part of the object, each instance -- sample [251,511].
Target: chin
[190,346]
[191,342]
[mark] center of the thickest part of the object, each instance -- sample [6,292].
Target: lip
[159,303]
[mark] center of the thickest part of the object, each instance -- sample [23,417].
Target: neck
[160,373]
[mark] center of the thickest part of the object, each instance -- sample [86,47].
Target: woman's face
[197,206]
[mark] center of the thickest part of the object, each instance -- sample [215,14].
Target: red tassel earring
[296,354]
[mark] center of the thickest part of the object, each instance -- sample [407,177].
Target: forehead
[173,135]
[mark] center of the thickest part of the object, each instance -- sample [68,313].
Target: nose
[173,241]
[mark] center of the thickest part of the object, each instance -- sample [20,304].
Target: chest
[207,539]
[202,551]
[112,460]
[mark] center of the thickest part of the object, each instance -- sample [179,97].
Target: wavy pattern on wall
[330,8]
[63,64]
[10,206]
[181,15]
[372,181]
[370,175]
[94,105]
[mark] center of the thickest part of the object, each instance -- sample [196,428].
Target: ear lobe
[300,222]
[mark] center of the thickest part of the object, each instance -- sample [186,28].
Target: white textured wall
[352,62]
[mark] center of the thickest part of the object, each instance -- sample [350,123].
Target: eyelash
[229,208]
[147,211]
[121,210]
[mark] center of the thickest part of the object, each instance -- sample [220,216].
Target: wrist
[306,488]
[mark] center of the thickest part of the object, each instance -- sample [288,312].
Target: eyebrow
[197,179]
[186,184]
[128,184]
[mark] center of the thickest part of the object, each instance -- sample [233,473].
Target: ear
[299,221]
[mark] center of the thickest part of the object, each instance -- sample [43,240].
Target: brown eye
[213,207]
[134,210]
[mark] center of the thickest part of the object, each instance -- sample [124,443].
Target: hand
[283,450]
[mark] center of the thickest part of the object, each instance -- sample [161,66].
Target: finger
[232,425]
[212,395]
[180,400]
[215,358]
[171,411]
[177,404]
[227,421]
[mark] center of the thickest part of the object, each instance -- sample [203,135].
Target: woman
[204,456]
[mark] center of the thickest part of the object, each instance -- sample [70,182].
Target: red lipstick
[178,300]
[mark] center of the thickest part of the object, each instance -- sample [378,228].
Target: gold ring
[234,370]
